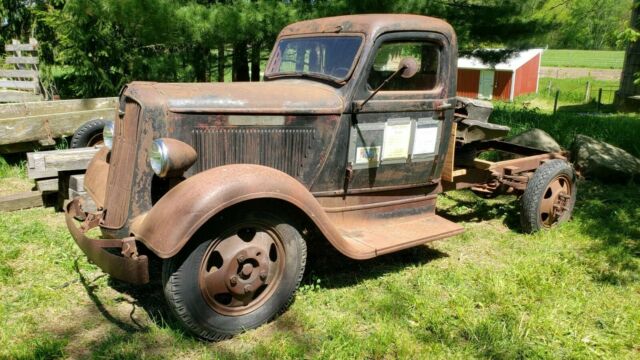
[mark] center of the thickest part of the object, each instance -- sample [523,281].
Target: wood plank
[47,185]
[76,182]
[20,85]
[23,200]
[459,172]
[87,202]
[21,47]
[19,73]
[13,111]
[13,96]
[47,164]
[482,164]
[448,168]
[34,128]
[21,60]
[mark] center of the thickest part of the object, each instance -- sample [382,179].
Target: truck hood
[275,97]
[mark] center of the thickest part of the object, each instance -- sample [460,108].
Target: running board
[389,235]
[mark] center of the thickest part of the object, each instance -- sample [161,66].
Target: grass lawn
[572,292]
[583,59]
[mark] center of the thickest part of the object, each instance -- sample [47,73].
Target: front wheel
[550,196]
[238,278]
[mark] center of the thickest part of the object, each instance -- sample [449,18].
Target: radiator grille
[121,166]
[281,148]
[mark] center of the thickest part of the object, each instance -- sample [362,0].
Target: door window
[387,60]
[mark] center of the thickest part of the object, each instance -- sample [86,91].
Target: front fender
[176,217]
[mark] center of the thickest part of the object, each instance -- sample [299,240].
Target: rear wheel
[237,279]
[550,196]
[89,134]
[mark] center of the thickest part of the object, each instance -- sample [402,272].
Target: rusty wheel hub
[239,273]
[555,201]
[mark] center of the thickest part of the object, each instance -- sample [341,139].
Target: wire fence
[580,96]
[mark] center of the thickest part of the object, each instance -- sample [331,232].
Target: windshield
[322,56]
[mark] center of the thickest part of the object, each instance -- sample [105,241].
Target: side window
[388,58]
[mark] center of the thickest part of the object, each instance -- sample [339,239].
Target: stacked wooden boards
[56,171]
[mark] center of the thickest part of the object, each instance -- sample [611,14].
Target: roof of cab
[371,25]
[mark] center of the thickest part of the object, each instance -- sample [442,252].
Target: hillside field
[583,59]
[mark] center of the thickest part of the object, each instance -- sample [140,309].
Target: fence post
[599,99]
[587,95]
[555,102]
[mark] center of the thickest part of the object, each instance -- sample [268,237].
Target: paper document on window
[369,155]
[425,140]
[397,135]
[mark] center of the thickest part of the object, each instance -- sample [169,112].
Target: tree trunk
[240,67]
[631,68]
[201,64]
[221,63]
[255,62]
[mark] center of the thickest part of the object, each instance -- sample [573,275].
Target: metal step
[389,235]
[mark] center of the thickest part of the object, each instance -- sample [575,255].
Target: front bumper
[128,267]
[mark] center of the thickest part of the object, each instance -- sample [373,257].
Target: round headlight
[107,134]
[159,157]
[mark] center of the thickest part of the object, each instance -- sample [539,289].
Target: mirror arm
[359,106]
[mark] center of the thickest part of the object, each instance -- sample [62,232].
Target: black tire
[89,134]
[552,184]
[187,298]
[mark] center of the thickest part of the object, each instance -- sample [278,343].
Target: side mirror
[408,67]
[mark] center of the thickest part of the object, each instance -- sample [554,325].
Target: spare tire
[89,134]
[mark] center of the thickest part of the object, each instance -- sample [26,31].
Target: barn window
[388,58]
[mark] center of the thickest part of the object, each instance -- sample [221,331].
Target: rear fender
[177,216]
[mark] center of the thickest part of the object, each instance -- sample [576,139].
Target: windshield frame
[338,80]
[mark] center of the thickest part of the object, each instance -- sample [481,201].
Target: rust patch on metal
[121,169]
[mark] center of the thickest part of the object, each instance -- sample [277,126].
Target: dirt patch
[575,73]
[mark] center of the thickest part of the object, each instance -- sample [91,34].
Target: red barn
[516,76]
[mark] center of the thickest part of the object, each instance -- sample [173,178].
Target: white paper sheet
[425,140]
[396,140]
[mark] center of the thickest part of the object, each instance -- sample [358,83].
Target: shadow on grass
[610,214]
[336,270]
[90,288]
[589,108]
[478,209]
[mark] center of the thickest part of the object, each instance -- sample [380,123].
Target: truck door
[398,137]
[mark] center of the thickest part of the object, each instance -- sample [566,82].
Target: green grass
[492,292]
[583,59]
[14,167]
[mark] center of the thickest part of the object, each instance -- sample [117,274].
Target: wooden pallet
[22,83]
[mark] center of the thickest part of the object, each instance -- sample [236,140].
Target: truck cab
[349,139]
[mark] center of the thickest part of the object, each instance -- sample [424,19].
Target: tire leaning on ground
[89,134]
[238,279]
[550,196]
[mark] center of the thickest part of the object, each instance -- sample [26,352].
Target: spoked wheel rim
[239,273]
[555,201]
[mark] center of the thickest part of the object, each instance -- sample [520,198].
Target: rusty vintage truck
[351,136]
